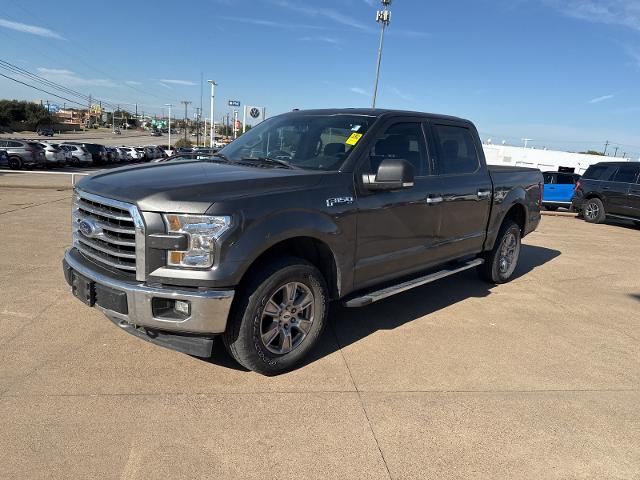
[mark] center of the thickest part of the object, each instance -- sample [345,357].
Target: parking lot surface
[538,378]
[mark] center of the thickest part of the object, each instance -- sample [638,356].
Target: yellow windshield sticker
[353,139]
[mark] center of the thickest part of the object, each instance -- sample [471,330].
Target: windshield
[317,142]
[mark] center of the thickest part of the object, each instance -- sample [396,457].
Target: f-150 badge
[332,202]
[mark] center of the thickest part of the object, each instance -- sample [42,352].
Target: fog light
[182,307]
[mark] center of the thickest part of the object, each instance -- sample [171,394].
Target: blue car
[4,158]
[558,189]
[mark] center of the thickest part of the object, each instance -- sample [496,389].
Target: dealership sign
[234,103]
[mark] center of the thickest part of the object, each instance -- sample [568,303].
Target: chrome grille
[109,232]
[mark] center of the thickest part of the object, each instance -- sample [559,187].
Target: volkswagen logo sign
[254,112]
[88,228]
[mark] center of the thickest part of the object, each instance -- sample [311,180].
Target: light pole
[186,104]
[212,131]
[169,105]
[383,17]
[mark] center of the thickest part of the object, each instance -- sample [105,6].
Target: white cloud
[359,91]
[270,23]
[610,12]
[601,99]
[132,82]
[330,40]
[188,83]
[70,79]
[31,29]
[329,13]
[404,96]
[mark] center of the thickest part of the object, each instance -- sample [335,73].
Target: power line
[41,90]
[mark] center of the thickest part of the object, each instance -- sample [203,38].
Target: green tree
[182,143]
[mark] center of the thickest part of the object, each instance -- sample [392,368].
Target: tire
[593,211]
[637,223]
[75,161]
[15,163]
[500,263]
[551,208]
[258,340]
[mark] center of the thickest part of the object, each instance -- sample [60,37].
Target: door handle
[434,200]
[606,188]
[482,194]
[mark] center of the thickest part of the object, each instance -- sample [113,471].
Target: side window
[565,179]
[457,153]
[549,178]
[3,143]
[402,140]
[626,174]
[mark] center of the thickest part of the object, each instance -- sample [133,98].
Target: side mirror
[392,174]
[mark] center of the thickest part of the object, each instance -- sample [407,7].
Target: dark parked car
[351,205]
[45,131]
[609,189]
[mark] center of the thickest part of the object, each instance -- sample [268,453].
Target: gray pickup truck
[309,207]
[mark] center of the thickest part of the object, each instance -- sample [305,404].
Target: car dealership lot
[538,378]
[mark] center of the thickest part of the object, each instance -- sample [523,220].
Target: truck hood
[193,186]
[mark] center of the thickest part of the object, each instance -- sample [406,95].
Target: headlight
[203,232]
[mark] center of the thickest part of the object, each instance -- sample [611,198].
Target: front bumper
[209,309]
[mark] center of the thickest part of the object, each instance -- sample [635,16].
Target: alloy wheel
[287,318]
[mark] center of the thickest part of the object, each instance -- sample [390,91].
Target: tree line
[28,114]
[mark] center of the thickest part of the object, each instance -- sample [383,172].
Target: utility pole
[606,144]
[89,112]
[186,104]
[526,141]
[235,124]
[616,152]
[384,18]
[212,131]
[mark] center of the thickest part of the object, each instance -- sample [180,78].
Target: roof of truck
[616,164]
[375,112]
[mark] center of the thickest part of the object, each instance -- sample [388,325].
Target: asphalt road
[538,378]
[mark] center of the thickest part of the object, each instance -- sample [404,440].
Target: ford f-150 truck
[254,242]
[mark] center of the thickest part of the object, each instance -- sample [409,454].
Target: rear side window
[549,178]
[457,153]
[402,140]
[626,174]
[600,172]
[565,179]
[15,144]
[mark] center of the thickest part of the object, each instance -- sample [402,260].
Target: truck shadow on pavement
[349,325]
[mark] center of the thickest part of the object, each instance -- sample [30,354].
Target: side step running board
[416,282]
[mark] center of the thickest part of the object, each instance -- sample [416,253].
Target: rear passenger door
[634,198]
[618,188]
[466,189]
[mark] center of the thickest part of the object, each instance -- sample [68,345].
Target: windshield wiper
[273,161]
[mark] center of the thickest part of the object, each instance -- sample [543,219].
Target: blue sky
[562,72]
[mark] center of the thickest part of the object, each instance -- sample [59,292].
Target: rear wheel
[502,260]
[593,211]
[551,208]
[637,223]
[278,316]
[15,163]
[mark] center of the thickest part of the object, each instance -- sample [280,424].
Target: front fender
[261,234]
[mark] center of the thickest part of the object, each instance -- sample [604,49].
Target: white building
[545,160]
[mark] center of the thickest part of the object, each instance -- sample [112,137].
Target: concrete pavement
[538,378]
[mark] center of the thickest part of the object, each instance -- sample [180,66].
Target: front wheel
[279,314]
[500,263]
[593,211]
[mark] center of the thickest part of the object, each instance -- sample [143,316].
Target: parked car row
[20,154]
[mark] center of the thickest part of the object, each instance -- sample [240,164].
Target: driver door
[396,230]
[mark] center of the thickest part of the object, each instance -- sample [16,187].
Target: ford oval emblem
[87,228]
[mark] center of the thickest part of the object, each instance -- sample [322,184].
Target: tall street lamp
[212,131]
[169,105]
[383,17]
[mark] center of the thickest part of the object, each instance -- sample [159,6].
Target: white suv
[79,155]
